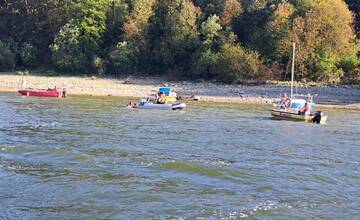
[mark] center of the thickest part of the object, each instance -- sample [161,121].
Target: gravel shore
[334,97]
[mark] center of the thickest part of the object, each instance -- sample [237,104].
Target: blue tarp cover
[165,89]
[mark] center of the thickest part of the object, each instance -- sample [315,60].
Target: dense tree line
[225,40]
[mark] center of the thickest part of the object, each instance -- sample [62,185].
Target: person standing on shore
[23,83]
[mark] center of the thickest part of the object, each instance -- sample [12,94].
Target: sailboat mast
[292,71]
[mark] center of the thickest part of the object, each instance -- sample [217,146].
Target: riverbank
[331,97]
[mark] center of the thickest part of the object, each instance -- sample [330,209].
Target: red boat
[55,92]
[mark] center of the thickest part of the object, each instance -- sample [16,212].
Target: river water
[91,158]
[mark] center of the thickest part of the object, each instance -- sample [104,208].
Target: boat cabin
[299,103]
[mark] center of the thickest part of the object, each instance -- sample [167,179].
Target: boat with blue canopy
[165,99]
[169,94]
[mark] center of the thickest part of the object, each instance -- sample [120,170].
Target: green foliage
[206,64]
[91,22]
[7,57]
[52,73]
[78,42]
[33,22]
[207,55]
[210,30]
[27,55]
[67,51]
[115,18]
[353,77]
[124,58]
[351,66]
[173,36]
[231,63]
[234,63]
[137,23]
[325,69]
[349,63]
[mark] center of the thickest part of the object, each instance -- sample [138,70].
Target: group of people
[160,99]
[285,104]
[131,105]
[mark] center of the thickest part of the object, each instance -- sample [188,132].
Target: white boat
[150,105]
[294,110]
[168,99]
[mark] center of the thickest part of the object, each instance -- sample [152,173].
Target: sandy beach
[331,97]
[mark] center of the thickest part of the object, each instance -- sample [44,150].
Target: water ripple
[88,157]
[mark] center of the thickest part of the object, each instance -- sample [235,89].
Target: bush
[205,65]
[235,63]
[27,55]
[325,69]
[349,63]
[7,57]
[353,77]
[67,54]
[51,73]
[124,58]
[78,42]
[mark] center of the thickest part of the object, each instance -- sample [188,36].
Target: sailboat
[297,107]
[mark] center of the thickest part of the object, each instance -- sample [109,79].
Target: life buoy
[287,102]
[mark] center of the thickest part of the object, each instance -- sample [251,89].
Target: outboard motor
[143,101]
[317,117]
[64,93]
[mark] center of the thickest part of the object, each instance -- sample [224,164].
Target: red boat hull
[42,92]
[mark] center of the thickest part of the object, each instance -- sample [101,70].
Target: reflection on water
[87,157]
